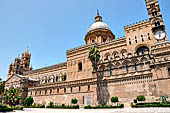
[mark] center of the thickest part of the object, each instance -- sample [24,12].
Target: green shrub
[141,98]
[114,99]
[74,101]
[4,108]
[50,105]
[28,101]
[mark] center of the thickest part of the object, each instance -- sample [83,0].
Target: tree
[94,56]
[74,101]
[28,101]
[2,86]
[114,99]
[141,98]
[13,97]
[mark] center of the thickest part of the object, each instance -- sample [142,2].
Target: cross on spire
[97,12]
[98,17]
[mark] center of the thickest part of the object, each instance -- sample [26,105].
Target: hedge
[151,104]
[63,106]
[103,107]
[35,106]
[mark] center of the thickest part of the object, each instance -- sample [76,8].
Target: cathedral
[136,64]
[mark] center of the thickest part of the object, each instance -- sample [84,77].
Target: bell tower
[25,60]
[155,16]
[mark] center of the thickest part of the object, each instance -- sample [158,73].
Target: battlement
[76,48]
[148,1]
[138,25]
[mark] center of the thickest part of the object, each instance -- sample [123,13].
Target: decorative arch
[156,21]
[123,52]
[44,80]
[159,73]
[117,64]
[134,61]
[140,45]
[153,9]
[143,59]
[107,56]
[126,62]
[115,54]
[51,79]
[109,65]
[142,50]
[102,67]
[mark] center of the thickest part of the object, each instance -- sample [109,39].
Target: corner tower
[25,60]
[99,32]
[155,16]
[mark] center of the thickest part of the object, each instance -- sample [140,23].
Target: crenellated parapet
[77,49]
[138,25]
[161,48]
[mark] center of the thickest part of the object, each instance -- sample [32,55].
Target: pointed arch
[143,59]
[126,62]
[134,61]
[123,53]
[109,65]
[107,56]
[102,67]
[115,54]
[117,64]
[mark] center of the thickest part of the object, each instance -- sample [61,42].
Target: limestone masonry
[137,64]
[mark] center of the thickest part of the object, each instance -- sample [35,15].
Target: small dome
[98,25]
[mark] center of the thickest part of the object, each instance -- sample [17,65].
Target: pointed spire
[31,68]
[18,56]
[27,51]
[98,17]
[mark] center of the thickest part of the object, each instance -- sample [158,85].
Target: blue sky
[50,27]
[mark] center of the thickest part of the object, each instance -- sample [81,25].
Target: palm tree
[13,97]
[94,56]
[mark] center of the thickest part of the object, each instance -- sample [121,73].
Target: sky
[50,27]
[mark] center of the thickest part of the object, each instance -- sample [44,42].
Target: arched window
[88,87]
[93,41]
[65,77]
[56,78]
[51,91]
[80,66]
[71,89]
[142,50]
[79,88]
[64,90]
[157,23]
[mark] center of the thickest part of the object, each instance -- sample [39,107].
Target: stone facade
[137,64]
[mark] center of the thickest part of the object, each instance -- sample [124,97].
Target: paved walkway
[127,110]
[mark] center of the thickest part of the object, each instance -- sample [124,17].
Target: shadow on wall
[102,91]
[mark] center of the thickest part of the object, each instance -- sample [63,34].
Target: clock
[160,35]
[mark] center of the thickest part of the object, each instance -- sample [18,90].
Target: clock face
[160,35]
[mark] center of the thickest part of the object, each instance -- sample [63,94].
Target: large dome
[98,25]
